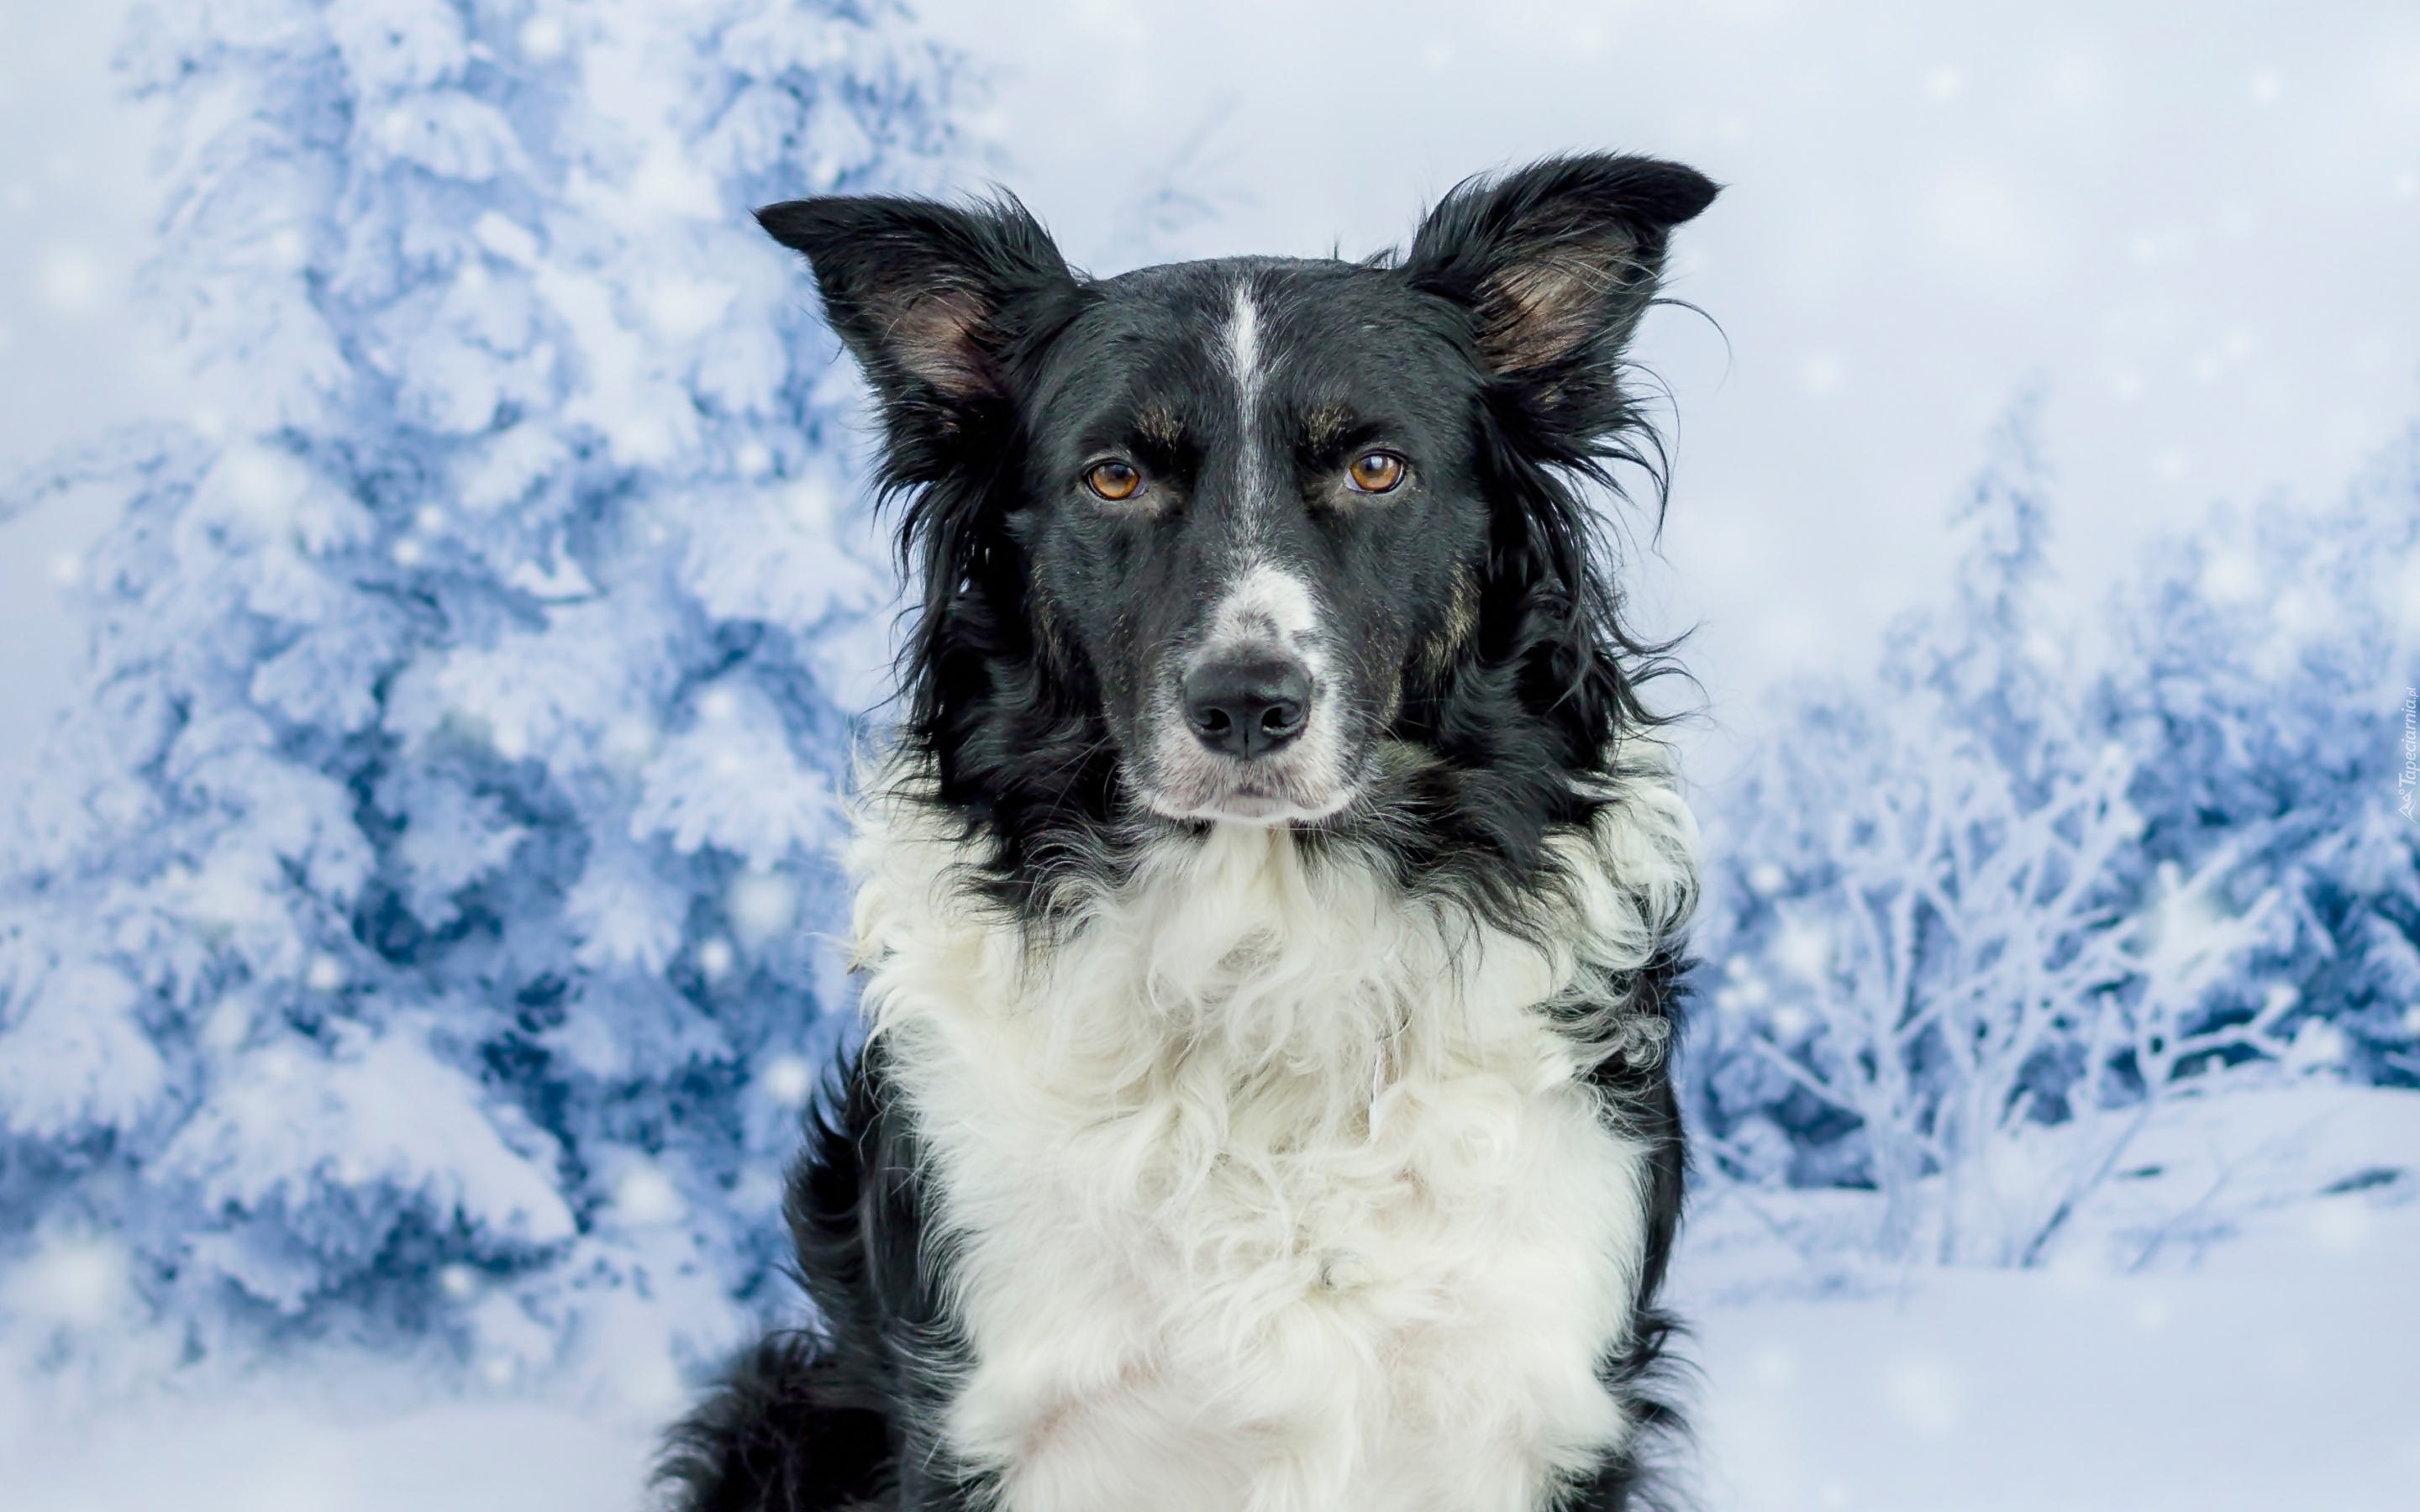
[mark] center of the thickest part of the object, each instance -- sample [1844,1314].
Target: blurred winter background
[437,600]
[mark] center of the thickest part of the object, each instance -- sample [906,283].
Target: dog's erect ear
[1558,260]
[931,299]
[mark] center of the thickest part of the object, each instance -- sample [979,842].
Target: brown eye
[1113,480]
[1375,471]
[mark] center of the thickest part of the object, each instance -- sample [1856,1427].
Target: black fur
[842,1414]
[1492,675]
[1640,1092]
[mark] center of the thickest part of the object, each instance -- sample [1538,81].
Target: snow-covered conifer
[416,928]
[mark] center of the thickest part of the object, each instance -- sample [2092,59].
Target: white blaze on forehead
[1244,365]
[1243,345]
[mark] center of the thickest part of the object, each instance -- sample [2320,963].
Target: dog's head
[1256,540]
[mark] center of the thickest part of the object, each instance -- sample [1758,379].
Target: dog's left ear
[1556,262]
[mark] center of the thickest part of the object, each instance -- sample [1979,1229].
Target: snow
[1974,914]
[415,946]
[2259,1357]
[2226,1333]
[2245,1388]
[395,923]
[462,1457]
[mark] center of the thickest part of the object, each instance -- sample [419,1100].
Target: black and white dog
[1270,917]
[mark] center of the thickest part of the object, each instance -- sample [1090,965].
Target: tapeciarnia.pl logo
[2407,782]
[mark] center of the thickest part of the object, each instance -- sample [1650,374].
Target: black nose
[1248,708]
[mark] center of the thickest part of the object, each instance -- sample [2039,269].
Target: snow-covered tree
[1956,957]
[2265,666]
[415,931]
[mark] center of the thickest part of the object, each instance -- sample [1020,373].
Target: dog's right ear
[935,301]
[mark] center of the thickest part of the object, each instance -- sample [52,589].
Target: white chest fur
[1269,1188]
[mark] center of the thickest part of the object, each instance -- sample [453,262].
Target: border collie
[1269,916]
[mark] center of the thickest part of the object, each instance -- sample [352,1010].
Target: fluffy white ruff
[1265,1185]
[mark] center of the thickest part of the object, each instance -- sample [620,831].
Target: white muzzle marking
[1267,613]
